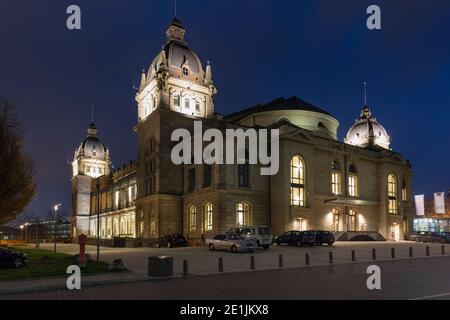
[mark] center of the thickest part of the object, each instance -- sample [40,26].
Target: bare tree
[17,186]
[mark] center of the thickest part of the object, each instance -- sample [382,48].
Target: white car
[231,242]
[261,234]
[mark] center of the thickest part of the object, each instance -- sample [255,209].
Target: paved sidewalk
[22,286]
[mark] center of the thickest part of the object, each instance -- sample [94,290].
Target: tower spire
[365,93]
[175,8]
[92,113]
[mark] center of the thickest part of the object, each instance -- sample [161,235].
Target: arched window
[351,220]
[336,213]
[193,218]
[153,224]
[176,100]
[209,217]
[242,214]
[392,193]
[141,224]
[298,182]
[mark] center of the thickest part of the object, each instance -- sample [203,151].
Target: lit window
[392,193]
[176,100]
[153,225]
[242,214]
[187,104]
[353,186]
[404,193]
[336,183]
[209,217]
[116,199]
[193,218]
[352,220]
[335,226]
[298,182]
[197,106]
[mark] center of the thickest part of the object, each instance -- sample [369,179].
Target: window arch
[243,214]
[352,168]
[193,218]
[209,216]
[392,193]
[298,182]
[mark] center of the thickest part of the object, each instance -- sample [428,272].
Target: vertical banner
[439,203]
[420,205]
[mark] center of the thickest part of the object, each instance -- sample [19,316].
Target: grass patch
[46,264]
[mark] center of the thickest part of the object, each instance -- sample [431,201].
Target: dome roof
[92,147]
[368,132]
[176,54]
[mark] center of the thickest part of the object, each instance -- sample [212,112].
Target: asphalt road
[421,278]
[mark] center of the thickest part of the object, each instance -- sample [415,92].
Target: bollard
[185,268]
[411,252]
[374,254]
[427,251]
[330,257]
[252,262]
[280,261]
[353,256]
[220,264]
[307,260]
[443,250]
[393,253]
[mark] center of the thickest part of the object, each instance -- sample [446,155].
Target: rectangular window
[207,176]
[404,195]
[191,180]
[244,172]
[353,186]
[297,196]
[209,217]
[116,199]
[336,183]
[197,106]
[176,101]
[187,104]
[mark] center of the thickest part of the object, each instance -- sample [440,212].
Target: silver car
[232,242]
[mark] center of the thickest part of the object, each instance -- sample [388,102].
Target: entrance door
[395,232]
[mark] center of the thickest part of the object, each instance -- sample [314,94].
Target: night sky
[319,50]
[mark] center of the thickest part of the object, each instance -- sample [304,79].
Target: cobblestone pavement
[427,278]
[203,262]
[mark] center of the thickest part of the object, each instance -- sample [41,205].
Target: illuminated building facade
[358,187]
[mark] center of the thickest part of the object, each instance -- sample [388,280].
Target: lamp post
[55,210]
[98,220]
[21,229]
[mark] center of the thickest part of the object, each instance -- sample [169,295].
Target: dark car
[296,238]
[427,236]
[172,240]
[9,258]
[323,237]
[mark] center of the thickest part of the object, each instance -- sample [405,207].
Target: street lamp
[55,210]
[21,229]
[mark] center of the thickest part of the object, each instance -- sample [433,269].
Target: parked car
[427,236]
[9,258]
[171,241]
[296,238]
[321,237]
[262,234]
[233,242]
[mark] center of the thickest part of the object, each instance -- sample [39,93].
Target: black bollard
[252,262]
[374,254]
[393,253]
[307,260]
[185,268]
[280,261]
[353,256]
[427,251]
[330,257]
[443,250]
[411,254]
[220,264]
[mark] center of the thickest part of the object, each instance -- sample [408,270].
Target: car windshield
[235,237]
[264,231]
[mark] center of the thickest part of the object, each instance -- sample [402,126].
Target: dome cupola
[367,132]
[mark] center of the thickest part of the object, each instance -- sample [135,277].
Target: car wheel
[234,249]
[211,247]
[17,263]
[417,240]
[278,243]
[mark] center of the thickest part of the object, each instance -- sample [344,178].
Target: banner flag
[439,202]
[420,204]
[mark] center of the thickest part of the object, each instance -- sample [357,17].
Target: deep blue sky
[319,50]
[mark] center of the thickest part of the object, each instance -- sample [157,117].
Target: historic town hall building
[354,187]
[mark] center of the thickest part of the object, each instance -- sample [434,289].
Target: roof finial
[92,113]
[365,94]
[175,8]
